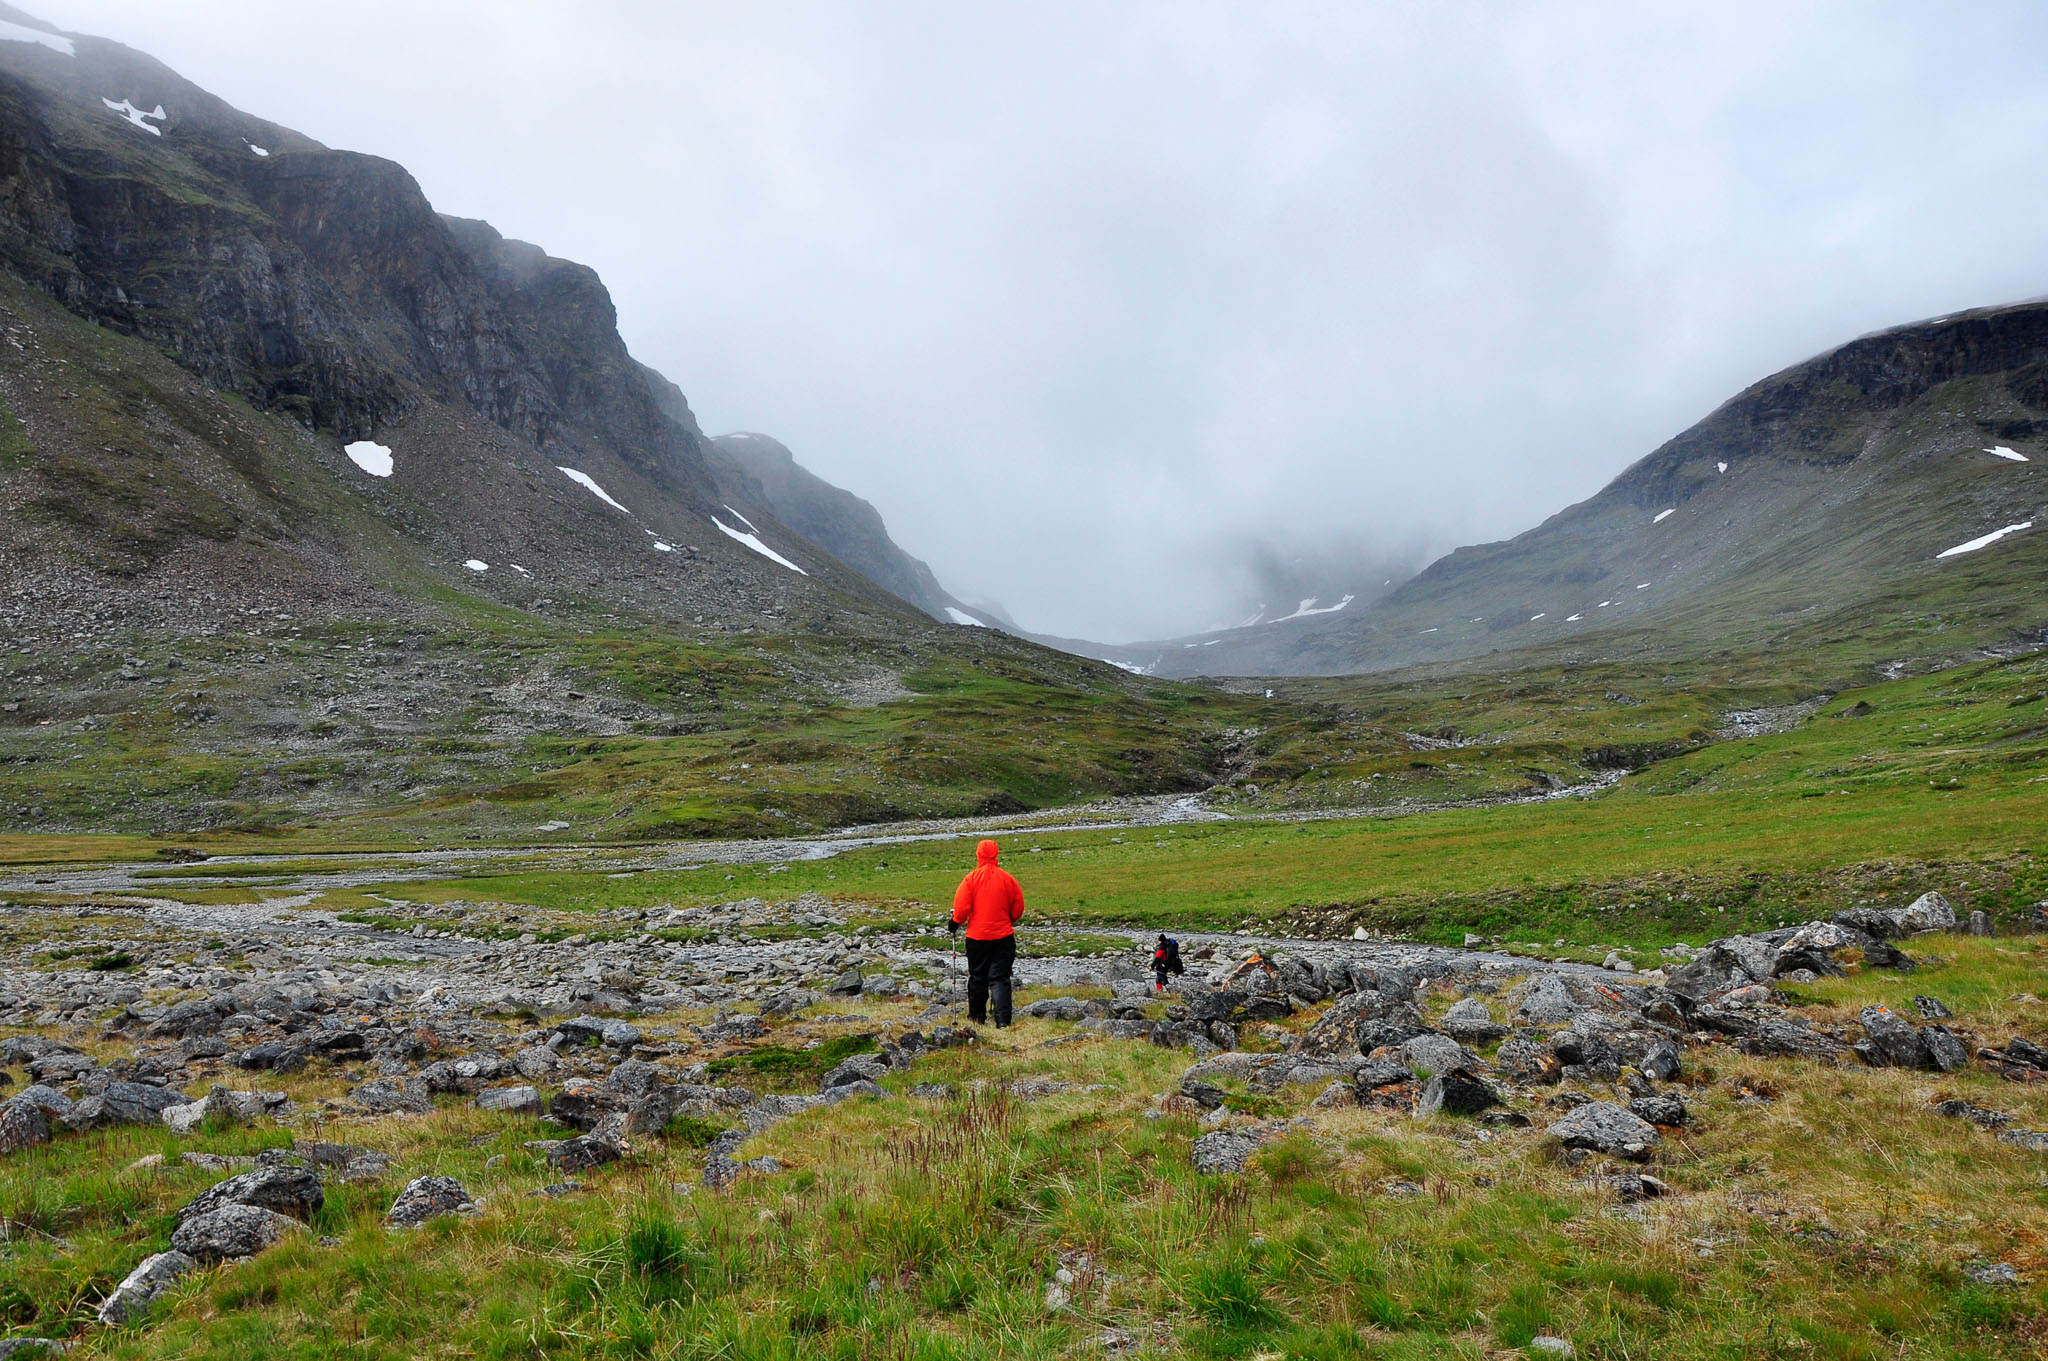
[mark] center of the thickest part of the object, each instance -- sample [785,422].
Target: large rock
[1430,1053]
[126,1103]
[1469,1022]
[232,1232]
[1353,1020]
[1459,1092]
[1871,921]
[139,1289]
[510,1100]
[219,1105]
[426,1198]
[1056,1009]
[1891,1041]
[1224,1151]
[1928,912]
[1607,1128]
[1771,1035]
[1662,1109]
[537,1063]
[581,1103]
[1544,1000]
[22,1125]
[380,1096]
[1949,1053]
[1224,1005]
[287,1190]
[1814,947]
[1528,1061]
[197,1017]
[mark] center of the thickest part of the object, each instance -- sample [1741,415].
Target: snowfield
[136,116]
[21,33]
[477,565]
[1308,607]
[589,484]
[963,617]
[372,457]
[1662,515]
[1984,541]
[2011,455]
[753,541]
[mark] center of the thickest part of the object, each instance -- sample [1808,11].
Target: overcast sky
[1100,302]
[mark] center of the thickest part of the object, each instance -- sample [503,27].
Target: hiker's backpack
[1172,951]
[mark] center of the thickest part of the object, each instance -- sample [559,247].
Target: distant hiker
[988,904]
[1165,960]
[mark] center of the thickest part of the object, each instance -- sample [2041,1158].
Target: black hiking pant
[988,978]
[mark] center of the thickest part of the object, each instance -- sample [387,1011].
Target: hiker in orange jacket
[988,904]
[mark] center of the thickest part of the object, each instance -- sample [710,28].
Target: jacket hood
[985,853]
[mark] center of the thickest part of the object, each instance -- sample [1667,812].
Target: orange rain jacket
[988,901]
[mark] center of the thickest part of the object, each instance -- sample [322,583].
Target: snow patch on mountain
[589,484]
[372,457]
[1662,515]
[753,541]
[2011,455]
[136,116]
[56,42]
[477,565]
[1983,541]
[963,617]
[1308,607]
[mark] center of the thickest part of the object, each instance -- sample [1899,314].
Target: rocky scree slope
[1816,508]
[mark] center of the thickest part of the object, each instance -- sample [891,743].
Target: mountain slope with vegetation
[1824,502]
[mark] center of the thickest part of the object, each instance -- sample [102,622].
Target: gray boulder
[1544,1000]
[1469,1022]
[1607,1128]
[847,984]
[1224,1151]
[620,1034]
[859,1068]
[1948,1052]
[537,1063]
[1662,1109]
[22,1125]
[286,1190]
[1056,1009]
[1928,912]
[1892,1041]
[126,1103]
[1437,1054]
[381,1096]
[426,1198]
[1661,1062]
[196,1017]
[1528,1062]
[139,1289]
[232,1232]
[510,1100]
[1459,1092]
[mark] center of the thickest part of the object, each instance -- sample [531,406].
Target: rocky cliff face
[321,288]
[315,281]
